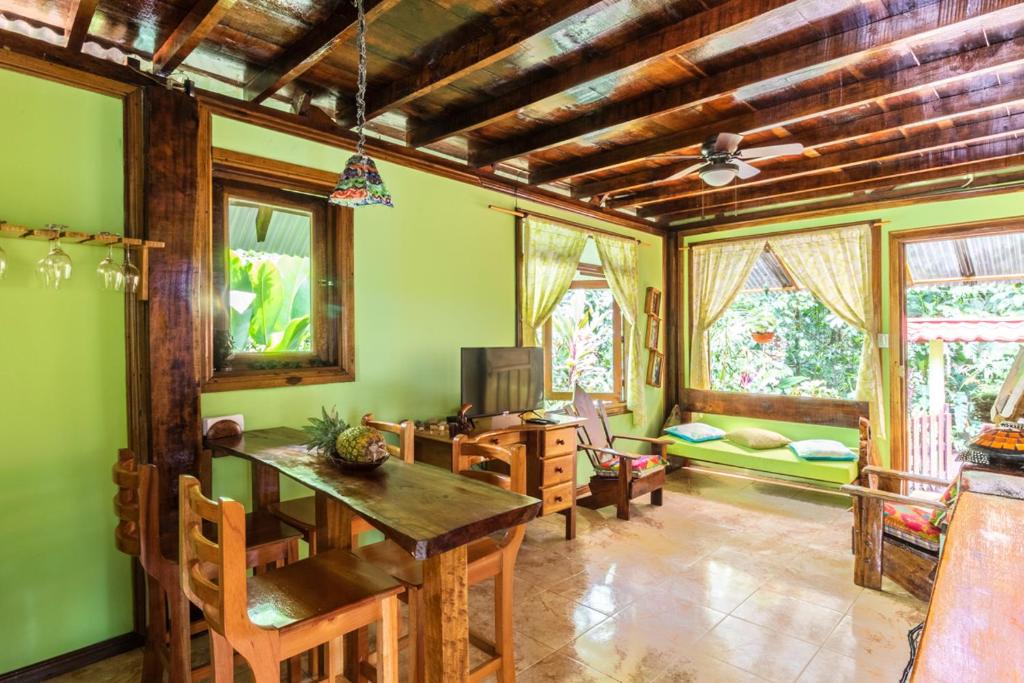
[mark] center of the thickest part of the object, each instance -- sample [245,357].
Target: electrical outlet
[883,341]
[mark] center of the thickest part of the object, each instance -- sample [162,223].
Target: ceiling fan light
[719,174]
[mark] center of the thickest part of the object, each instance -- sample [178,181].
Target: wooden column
[673,370]
[445,617]
[168,199]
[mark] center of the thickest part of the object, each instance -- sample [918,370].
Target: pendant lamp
[360,183]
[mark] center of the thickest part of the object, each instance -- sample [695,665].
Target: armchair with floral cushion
[895,535]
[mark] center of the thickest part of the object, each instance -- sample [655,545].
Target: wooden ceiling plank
[689,32]
[301,56]
[76,26]
[824,56]
[187,35]
[918,145]
[941,71]
[974,160]
[461,54]
[954,189]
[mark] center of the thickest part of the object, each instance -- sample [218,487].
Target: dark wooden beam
[76,26]
[193,29]
[920,147]
[932,74]
[971,161]
[774,15]
[1010,94]
[897,196]
[338,28]
[793,66]
[459,54]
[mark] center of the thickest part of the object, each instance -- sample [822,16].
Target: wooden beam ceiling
[913,145]
[469,51]
[932,74]
[76,26]
[301,56]
[689,32]
[193,29]
[827,55]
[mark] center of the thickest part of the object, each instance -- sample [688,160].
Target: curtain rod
[579,226]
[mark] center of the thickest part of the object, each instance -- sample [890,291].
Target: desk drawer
[502,439]
[557,470]
[557,497]
[559,442]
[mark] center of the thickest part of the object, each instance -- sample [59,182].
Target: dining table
[430,512]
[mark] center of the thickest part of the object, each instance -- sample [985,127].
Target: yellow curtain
[835,266]
[719,273]
[621,261]
[551,254]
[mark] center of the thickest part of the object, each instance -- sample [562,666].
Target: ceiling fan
[722,160]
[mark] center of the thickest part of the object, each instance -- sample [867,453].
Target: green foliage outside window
[582,344]
[269,302]
[814,353]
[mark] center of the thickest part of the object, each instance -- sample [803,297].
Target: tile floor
[730,581]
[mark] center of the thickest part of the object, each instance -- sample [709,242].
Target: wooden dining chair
[276,616]
[613,484]
[301,512]
[271,543]
[488,558]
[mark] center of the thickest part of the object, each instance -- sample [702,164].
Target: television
[498,380]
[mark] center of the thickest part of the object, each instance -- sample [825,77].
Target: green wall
[432,275]
[62,404]
[899,218]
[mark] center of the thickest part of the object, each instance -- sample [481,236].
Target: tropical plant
[269,302]
[582,344]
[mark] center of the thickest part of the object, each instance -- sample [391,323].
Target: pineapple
[361,445]
[324,432]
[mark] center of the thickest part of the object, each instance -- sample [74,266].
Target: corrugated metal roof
[966,329]
[989,257]
[288,233]
[768,273]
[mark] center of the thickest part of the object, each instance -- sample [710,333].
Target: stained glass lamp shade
[360,184]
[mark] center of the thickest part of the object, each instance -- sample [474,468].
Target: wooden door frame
[898,319]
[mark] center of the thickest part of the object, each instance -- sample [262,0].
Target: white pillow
[822,449]
[696,432]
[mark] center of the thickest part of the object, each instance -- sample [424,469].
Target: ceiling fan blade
[688,170]
[677,156]
[728,142]
[786,150]
[745,170]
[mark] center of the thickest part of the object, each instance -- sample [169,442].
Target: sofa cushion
[756,438]
[822,449]
[642,465]
[912,524]
[781,461]
[696,432]
[940,518]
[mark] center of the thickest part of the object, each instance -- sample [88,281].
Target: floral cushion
[642,465]
[940,518]
[911,524]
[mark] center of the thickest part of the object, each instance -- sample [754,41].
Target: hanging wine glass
[55,267]
[110,271]
[129,273]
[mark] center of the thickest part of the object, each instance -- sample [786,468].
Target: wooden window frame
[615,402]
[331,244]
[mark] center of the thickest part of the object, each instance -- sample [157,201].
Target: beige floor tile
[701,669]
[637,645]
[753,648]
[715,584]
[553,619]
[789,615]
[832,667]
[561,669]
[835,594]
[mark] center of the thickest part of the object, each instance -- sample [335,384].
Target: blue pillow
[822,449]
[696,432]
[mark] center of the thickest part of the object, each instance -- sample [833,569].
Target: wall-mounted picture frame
[652,305]
[653,333]
[655,369]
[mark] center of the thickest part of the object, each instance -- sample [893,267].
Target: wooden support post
[445,617]
[867,570]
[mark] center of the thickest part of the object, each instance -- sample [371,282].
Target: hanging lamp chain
[361,88]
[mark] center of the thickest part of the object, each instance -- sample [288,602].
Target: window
[777,338]
[280,284]
[583,340]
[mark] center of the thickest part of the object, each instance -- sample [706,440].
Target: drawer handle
[559,442]
[558,499]
[494,441]
[559,470]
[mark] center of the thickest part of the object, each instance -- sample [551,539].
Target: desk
[429,512]
[550,459]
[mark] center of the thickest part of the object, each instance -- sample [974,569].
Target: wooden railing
[930,442]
